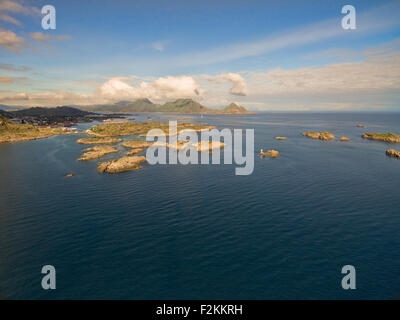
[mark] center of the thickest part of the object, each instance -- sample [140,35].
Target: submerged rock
[386,137]
[122,164]
[393,153]
[97,152]
[325,135]
[360,125]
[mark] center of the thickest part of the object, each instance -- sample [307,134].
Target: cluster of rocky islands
[377,136]
[104,135]
[327,136]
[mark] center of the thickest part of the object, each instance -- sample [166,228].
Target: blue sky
[267,55]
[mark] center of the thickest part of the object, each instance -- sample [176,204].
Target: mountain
[183,106]
[177,106]
[140,105]
[233,108]
[51,112]
[6,114]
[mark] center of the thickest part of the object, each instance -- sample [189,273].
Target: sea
[200,231]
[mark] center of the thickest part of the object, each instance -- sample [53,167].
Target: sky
[265,55]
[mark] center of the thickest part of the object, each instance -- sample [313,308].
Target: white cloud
[6,80]
[115,89]
[373,74]
[10,41]
[161,89]
[239,84]
[10,80]
[43,39]
[7,18]
[15,8]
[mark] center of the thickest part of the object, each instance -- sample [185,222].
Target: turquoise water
[200,232]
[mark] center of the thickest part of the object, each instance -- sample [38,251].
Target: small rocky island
[281,138]
[344,139]
[97,152]
[393,153]
[385,137]
[134,144]
[325,135]
[99,140]
[270,153]
[128,128]
[121,165]
[134,151]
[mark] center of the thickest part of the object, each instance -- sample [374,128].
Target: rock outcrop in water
[270,153]
[385,137]
[99,140]
[121,165]
[134,151]
[281,138]
[134,144]
[273,153]
[203,146]
[393,153]
[97,152]
[360,125]
[140,128]
[344,139]
[200,146]
[325,135]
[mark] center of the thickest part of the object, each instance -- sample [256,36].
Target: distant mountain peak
[233,105]
[235,108]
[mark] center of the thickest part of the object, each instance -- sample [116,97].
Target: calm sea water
[200,232]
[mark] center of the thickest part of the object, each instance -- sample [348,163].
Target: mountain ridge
[188,106]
